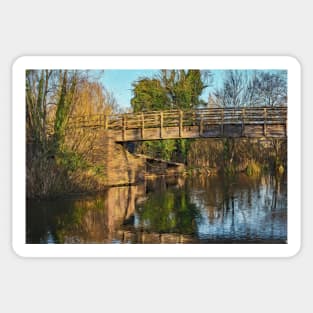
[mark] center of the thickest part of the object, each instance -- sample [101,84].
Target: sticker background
[140,27]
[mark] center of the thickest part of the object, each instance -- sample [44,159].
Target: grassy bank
[51,175]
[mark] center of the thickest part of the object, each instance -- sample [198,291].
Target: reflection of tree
[85,222]
[169,212]
[88,220]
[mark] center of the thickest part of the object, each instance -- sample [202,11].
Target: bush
[253,168]
[230,170]
[45,178]
[72,161]
[280,169]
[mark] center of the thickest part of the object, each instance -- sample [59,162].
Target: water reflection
[192,210]
[242,209]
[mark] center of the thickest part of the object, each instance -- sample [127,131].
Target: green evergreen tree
[171,89]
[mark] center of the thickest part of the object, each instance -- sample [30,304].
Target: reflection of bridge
[141,236]
[207,123]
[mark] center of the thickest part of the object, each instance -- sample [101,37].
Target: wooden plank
[212,131]
[276,130]
[133,134]
[232,130]
[252,130]
[191,132]
[171,132]
[152,133]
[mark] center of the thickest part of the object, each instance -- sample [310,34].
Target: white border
[154,250]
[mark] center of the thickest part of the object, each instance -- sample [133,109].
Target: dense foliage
[171,89]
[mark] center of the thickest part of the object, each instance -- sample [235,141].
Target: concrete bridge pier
[120,166]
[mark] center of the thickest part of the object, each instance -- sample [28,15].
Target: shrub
[280,169]
[253,168]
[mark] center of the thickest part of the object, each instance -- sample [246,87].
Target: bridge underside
[207,131]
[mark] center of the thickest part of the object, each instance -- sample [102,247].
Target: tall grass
[231,155]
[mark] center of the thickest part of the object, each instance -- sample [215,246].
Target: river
[201,209]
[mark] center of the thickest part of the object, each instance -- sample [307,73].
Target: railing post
[124,127]
[161,124]
[142,125]
[286,125]
[243,121]
[264,121]
[180,123]
[222,122]
[201,124]
[106,122]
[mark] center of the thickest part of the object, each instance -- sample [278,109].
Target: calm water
[190,210]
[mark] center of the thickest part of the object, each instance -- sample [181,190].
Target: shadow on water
[192,210]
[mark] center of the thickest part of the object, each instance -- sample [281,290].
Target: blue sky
[120,83]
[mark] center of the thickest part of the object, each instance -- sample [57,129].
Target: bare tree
[255,88]
[37,97]
[270,88]
[232,93]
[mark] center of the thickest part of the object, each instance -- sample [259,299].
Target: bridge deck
[206,123]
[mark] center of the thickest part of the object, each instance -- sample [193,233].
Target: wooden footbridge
[199,123]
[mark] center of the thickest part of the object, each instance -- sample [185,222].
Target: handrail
[181,118]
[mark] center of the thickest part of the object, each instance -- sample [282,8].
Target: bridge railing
[181,118]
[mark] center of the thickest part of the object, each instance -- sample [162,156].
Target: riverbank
[91,161]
